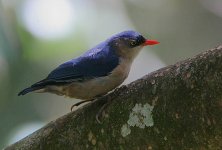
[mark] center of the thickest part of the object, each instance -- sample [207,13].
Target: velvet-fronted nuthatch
[96,72]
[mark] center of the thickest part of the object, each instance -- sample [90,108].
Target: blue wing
[97,62]
[94,63]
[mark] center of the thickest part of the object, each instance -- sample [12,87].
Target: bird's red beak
[150,42]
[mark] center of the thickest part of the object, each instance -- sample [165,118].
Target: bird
[97,71]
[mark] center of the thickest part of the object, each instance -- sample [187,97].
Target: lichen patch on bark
[141,116]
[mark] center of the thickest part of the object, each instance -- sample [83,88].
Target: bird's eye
[133,43]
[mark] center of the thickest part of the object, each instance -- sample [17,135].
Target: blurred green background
[37,35]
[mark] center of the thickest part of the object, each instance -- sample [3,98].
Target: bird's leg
[81,102]
[99,114]
[115,93]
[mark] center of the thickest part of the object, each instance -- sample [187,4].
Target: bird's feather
[97,62]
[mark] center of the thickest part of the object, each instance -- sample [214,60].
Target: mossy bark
[176,107]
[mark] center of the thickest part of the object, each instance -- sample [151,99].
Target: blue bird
[96,72]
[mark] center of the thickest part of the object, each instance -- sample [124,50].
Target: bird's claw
[79,103]
[100,113]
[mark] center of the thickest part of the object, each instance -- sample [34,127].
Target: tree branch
[176,107]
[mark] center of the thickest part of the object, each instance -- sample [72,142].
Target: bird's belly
[98,86]
[92,88]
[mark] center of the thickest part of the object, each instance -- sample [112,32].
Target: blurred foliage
[184,28]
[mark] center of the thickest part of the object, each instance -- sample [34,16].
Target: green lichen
[125,130]
[141,116]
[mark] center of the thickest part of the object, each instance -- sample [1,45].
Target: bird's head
[129,43]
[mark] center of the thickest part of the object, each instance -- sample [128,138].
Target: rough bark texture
[176,107]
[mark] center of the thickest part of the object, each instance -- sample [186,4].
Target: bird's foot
[81,102]
[110,97]
[100,113]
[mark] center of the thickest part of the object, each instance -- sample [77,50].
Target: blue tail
[39,85]
[34,87]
